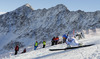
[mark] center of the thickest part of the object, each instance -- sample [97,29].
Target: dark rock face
[43,24]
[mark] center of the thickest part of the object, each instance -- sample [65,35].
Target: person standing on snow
[44,44]
[16,49]
[82,35]
[64,38]
[35,45]
[52,42]
[56,40]
[72,42]
[79,36]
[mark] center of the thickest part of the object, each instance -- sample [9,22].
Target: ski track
[80,53]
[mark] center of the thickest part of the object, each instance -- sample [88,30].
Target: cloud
[2,13]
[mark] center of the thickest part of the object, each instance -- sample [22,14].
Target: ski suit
[64,38]
[16,49]
[56,40]
[52,42]
[44,43]
[24,50]
[71,42]
[35,45]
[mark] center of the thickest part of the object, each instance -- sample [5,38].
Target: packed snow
[91,52]
[25,25]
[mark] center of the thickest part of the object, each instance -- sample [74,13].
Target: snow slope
[92,52]
[24,25]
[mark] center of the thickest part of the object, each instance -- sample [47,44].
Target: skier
[82,35]
[64,38]
[44,44]
[35,45]
[56,40]
[52,42]
[72,42]
[24,50]
[16,49]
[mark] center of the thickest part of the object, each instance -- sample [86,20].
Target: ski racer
[72,42]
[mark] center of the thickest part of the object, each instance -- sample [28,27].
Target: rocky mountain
[25,25]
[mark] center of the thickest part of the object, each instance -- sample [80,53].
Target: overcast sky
[72,5]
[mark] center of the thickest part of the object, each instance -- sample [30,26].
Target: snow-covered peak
[28,5]
[59,8]
[28,25]
[80,11]
[25,8]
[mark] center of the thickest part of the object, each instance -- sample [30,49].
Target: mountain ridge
[43,24]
